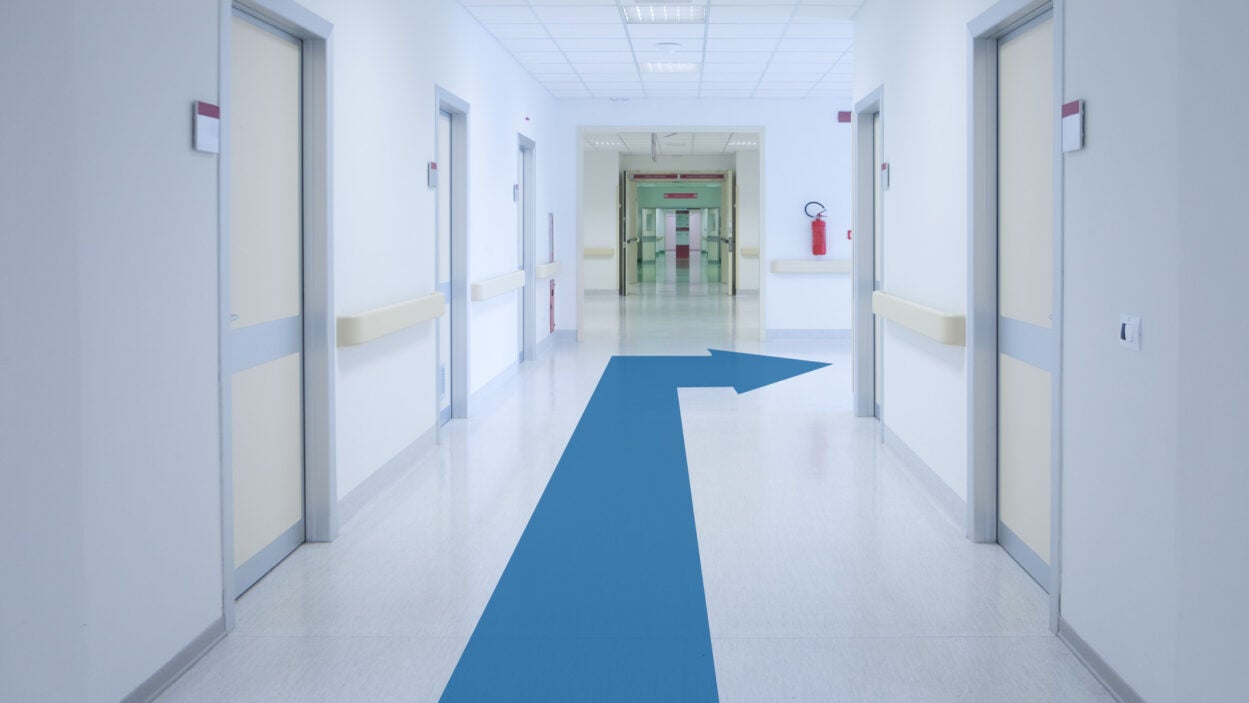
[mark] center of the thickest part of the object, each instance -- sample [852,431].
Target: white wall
[1120,407]
[390,55]
[109,373]
[600,189]
[109,437]
[1210,480]
[746,166]
[919,52]
[806,156]
[1154,539]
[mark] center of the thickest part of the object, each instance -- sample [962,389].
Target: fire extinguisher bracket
[819,231]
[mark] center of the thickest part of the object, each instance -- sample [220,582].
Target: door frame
[581,133]
[863,247]
[320,350]
[982,285]
[528,149]
[446,101]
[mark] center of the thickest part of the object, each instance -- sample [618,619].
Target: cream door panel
[265,192]
[1024,429]
[267,437]
[1026,168]
[1026,114]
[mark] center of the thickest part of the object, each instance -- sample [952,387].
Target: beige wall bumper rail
[491,287]
[599,252]
[547,270]
[810,266]
[750,252]
[370,325]
[930,322]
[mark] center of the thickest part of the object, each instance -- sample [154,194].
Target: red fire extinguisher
[818,234]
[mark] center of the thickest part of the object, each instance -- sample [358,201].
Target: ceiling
[781,49]
[673,143]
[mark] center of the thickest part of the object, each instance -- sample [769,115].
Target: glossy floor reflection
[829,574]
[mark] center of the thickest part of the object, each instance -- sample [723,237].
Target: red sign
[680,196]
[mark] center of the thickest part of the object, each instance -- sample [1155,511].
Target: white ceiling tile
[673,93]
[646,54]
[781,94]
[734,69]
[823,13]
[583,31]
[472,3]
[516,46]
[717,93]
[539,57]
[517,31]
[740,44]
[806,57]
[603,69]
[580,57]
[824,30]
[665,32]
[595,45]
[611,3]
[758,57]
[815,44]
[500,14]
[745,31]
[776,12]
[818,69]
[578,13]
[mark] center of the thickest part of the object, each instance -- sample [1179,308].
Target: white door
[630,238]
[522,218]
[728,234]
[1026,293]
[266,291]
[878,258]
[442,273]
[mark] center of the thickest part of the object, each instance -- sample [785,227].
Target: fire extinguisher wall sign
[819,234]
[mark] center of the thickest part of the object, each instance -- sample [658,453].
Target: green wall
[651,195]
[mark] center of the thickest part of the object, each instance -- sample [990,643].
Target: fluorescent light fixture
[665,14]
[669,67]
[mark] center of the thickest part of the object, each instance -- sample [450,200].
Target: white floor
[830,576]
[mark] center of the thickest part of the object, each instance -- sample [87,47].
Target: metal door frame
[319,350]
[863,257]
[457,304]
[985,31]
[527,150]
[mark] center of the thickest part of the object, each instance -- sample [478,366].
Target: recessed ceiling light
[669,67]
[665,14]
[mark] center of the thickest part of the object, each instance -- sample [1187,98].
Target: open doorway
[677,220]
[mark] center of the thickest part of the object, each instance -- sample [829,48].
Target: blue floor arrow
[603,598]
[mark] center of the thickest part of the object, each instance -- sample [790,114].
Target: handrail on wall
[379,322]
[810,266]
[548,270]
[491,287]
[599,252]
[930,322]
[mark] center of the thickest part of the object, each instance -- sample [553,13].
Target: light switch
[1130,332]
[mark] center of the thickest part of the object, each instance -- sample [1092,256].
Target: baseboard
[808,334]
[1093,661]
[176,667]
[552,339]
[493,386]
[386,476]
[944,497]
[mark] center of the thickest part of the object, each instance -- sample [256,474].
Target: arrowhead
[751,371]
